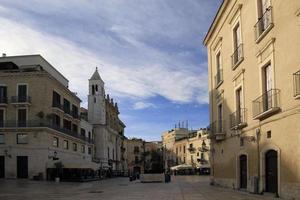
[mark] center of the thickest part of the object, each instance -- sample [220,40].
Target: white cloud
[143,105]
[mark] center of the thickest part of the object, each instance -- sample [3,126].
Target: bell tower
[96,100]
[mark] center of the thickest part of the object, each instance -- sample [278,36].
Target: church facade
[103,114]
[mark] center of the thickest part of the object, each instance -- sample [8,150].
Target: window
[202,155]
[108,153]
[74,147]
[67,106]
[183,159]
[191,145]
[89,150]
[74,111]
[220,118]
[82,132]
[66,144]
[239,105]
[136,149]
[55,120]
[82,149]
[67,124]
[237,55]
[136,159]
[184,150]
[267,87]
[1,118]
[3,94]
[176,151]
[22,117]
[22,93]
[55,141]
[22,138]
[113,154]
[93,90]
[2,139]
[56,100]
[219,75]
[90,135]
[192,159]
[75,128]
[264,11]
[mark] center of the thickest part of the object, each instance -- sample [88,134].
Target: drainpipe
[258,157]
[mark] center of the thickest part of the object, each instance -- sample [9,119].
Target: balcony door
[22,93]
[239,105]
[267,87]
[263,6]
[220,118]
[1,118]
[3,94]
[22,117]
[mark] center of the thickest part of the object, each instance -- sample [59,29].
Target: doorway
[22,167]
[271,171]
[2,167]
[243,172]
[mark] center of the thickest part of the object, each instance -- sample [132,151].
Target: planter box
[152,178]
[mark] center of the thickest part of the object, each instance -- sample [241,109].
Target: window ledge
[267,113]
[263,34]
[297,96]
[239,126]
[238,63]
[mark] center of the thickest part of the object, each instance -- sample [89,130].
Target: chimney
[3,54]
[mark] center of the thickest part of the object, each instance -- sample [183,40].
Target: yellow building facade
[254,86]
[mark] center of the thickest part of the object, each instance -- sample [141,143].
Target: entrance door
[271,171]
[2,167]
[22,166]
[243,171]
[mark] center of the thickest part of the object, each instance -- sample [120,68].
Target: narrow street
[181,188]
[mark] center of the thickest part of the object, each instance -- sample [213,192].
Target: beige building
[40,123]
[254,85]
[141,156]
[182,146]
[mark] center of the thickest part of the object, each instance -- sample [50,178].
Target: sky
[149,53]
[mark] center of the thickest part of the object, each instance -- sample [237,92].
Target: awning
[181,167]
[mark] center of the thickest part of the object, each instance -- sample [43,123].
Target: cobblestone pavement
[181,188]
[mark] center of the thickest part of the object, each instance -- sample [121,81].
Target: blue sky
[149,53]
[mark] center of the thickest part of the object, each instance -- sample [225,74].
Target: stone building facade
[39,121]
[254,85]
[103,114]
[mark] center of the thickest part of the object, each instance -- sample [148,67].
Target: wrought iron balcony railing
[263,23]
[219,77]
[238,119]
[266,104]
[296,77]
[43,124]
[21,99]
[237,56]
[218,130]
[57,105]
[3,100]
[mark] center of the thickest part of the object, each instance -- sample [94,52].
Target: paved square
[181,188]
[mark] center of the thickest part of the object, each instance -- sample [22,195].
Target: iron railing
[42,123]
[266,101]
[238,118]
[21,99]
[67,110]
[237,56]
[263,22]
[218,127]
[75,114]
[3,100]
[57,105]
[296,77]
[219,77]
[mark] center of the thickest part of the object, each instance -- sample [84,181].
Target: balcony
[219,78]
[21,100]
[237,57]
[192,149]
[42,124]
[266,105]
[296,77]
[238,119]
[75,115]
[136,151]
[218,130]
[203,148]
[264,24]
[3,101]
[57,106]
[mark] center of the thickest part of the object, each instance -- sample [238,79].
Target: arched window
[96,88]
[93,90]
